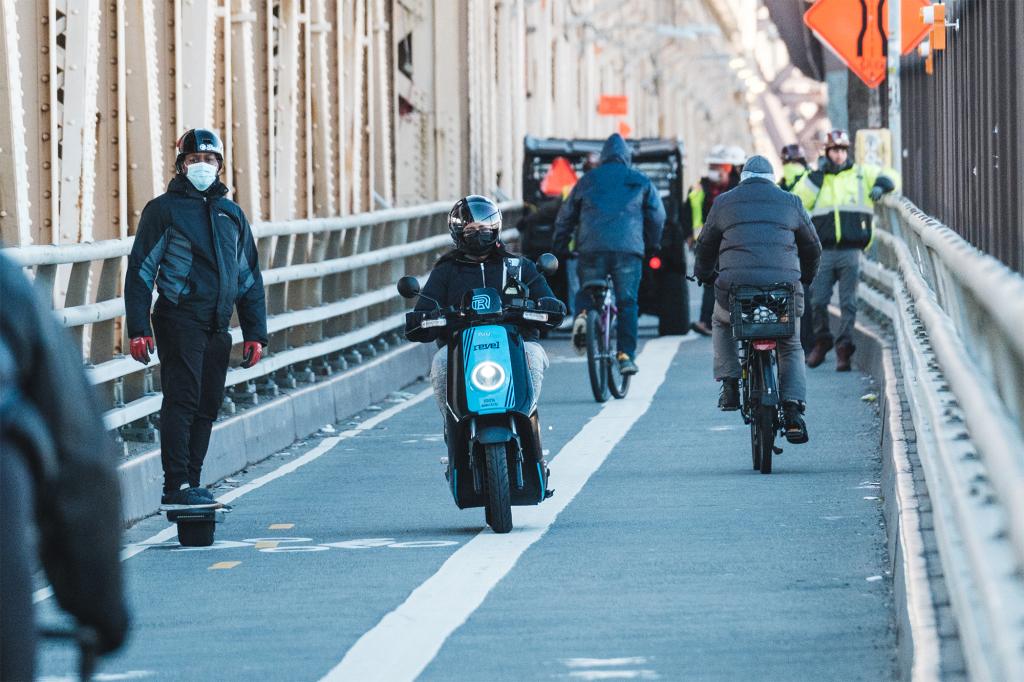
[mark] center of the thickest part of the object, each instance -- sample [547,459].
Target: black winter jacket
[201,273]
[50,425]
[454,275]
[616,208]
[758,234]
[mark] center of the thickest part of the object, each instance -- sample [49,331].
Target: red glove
[140,347]
[252,351]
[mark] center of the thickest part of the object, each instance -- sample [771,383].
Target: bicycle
[760,315]
[602,349]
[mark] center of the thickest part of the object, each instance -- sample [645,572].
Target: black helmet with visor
[474,223]
[198,140]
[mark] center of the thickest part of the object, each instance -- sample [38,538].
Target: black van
[663,292]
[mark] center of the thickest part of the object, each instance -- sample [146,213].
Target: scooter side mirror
[409,287]
[547,264]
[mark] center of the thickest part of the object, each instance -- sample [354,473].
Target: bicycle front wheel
[618,383]
[597,357]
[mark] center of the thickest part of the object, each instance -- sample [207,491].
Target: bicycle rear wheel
[755,440]
[751,409]
[597,357]
[765,417]
[618,383]
[765,420]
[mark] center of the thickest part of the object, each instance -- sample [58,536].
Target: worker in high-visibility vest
[840,197]
[723,173]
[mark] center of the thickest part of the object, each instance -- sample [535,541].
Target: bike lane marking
[441,604]
[44,593]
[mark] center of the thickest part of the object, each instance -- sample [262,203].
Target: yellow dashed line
[223,565]
[281,526]
[267,544]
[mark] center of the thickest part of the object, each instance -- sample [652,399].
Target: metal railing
[330,291]
[957,320]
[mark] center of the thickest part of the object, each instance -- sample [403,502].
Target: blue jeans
[625,269]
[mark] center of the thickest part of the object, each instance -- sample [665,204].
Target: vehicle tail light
[655,263]
[764,344]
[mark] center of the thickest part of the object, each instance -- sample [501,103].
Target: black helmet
[198,140]
[479,211]
[792,153]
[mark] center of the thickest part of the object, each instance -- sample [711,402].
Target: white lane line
[435,609]
[171,530]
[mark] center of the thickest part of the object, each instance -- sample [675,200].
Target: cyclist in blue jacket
[616,216]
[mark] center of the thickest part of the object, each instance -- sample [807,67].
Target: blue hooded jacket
[613,208]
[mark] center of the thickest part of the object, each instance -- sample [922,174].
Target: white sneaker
[579,334]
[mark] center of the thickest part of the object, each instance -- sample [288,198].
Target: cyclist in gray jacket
[758,234]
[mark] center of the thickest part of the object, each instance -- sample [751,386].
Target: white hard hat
[719,154]
[736,155]
[722,154]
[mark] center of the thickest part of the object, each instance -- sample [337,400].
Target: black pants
[193,365]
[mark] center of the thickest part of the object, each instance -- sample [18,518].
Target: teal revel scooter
[495,457]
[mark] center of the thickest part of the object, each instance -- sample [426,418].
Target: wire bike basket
[762,312]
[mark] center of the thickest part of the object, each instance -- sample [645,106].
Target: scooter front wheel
[499,497]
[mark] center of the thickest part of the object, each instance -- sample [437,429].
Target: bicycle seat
[595,284]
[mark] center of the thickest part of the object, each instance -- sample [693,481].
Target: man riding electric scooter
[482,305]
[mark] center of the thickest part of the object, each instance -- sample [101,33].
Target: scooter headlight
[488,376]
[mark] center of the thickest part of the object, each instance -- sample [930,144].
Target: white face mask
[715,175]
[201,175]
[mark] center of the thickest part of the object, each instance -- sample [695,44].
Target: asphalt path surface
[662,555]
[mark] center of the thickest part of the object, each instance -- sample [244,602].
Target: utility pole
[895,114]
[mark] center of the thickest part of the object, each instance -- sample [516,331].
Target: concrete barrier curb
[919,653]
[255,434]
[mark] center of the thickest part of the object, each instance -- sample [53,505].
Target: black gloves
[549,304]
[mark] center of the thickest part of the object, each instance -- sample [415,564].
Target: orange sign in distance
[559,177]
[613,105]
[857,31]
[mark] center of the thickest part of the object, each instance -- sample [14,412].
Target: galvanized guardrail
[330,290]
[957,318]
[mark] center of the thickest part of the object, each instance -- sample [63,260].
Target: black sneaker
[793,421]
[701,328]
[205,492]
[729,398]
[187,497]
[627,367]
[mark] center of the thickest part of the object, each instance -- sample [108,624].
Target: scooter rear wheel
[499,497]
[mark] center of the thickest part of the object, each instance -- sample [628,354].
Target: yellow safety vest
[696,199]
[792,173]
[846,192]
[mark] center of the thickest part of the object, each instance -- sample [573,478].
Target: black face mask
[479,242]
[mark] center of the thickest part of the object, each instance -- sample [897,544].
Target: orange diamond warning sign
[857,31]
